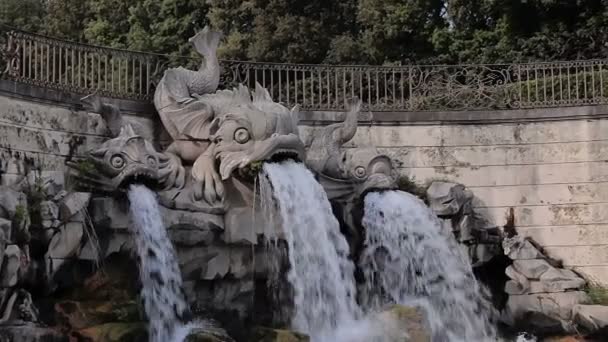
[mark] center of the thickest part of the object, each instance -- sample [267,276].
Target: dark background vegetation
[333,31]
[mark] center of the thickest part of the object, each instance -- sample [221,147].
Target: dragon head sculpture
[348,173]
[127,158]
[251,129]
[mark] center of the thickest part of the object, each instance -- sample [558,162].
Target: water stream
[321,273]
[409,258]
[159,271]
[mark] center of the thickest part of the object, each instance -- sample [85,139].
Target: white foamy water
[159,272]
[321,273]
[410,259]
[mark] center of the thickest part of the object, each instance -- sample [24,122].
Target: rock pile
[544,297]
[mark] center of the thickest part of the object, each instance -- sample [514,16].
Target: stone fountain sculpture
[220,140]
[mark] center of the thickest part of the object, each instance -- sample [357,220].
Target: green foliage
[85,166]
[20,214]
[23,14]
[333,31]
[598,294]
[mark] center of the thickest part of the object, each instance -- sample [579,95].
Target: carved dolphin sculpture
[348,172]
[219,132]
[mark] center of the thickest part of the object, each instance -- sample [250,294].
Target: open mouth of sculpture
[274,149]
[136,174]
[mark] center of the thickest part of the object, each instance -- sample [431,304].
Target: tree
[23,14]
[67,19]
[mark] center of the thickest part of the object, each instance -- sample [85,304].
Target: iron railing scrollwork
[126,74]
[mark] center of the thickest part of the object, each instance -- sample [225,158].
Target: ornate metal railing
[119,73]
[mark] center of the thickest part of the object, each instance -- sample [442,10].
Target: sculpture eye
[151,161]
[360,172]
[241,135]
[117,161]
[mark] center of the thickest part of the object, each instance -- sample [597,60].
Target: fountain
[236,202]
[409,258]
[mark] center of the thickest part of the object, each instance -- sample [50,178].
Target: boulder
[186,235]
[64,244]
[591,317]
[12,203]
[10,266]
[409,320]
[519,248]
[115,332]
[261,334]
[518,284]
[73,203]
[30,333]
[78,315]
[109,212]
[544,310]
[6,228]
[446,199]
[532,268]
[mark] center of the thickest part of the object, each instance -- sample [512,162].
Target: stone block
[49,211]
[73,203]
[532,268]
[191,219]
[10,266]
[109,213]
[6,226]
[446,199]
[555,286]
[519,278]
[514,288]
[556,305]
[239,227]
[519,248]
[591,317]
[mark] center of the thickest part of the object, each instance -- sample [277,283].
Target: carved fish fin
[295,117]
[349,126]
[206,42]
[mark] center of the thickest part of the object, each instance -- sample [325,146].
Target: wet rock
[261,334]
[185,235]
[64,244]
[532,268]
[115,332]
[446,199]
[10,266]
[591,317]
[78,315]
[73,203]
[518,284]
[544,310]
[194,220]
[408,320]
[207,335]
[109,212]
[519,248]
[30,333]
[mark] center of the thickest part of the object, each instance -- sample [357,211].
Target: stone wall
[554,174]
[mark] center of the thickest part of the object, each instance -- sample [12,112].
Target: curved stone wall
[552,170]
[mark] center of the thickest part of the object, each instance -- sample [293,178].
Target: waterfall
[159,272]
[321,273]
[409,258]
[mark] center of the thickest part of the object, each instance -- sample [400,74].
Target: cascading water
[162,292]
[321,273]
[409,258]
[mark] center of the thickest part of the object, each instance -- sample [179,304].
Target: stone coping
[320,118]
